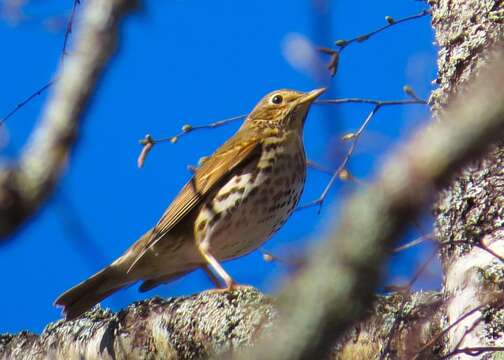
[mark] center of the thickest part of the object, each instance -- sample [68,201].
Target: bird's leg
[203,248]
[216,281]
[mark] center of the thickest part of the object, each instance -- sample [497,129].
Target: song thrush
[235,201]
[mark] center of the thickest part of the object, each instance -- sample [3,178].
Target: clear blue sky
[190,61]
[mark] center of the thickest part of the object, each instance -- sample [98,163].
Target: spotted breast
[256,201]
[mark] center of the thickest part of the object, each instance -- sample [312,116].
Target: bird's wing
[240,149]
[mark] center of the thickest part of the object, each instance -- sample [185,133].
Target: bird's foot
[230,287]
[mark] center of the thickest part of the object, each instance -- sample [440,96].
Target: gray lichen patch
[494,324]
[463,32]
[191,327]
[493,277]
[398,328]
[472,206]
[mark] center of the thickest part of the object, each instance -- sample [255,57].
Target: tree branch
[212,323]
[26,184]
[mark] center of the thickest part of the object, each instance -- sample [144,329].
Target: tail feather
[88,293]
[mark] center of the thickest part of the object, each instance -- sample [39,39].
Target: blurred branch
[26,184]
[338,283]
[68,31]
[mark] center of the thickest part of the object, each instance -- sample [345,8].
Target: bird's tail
[91,291]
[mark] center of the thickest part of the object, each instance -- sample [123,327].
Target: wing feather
[238,150]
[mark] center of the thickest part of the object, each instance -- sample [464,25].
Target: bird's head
[284,109]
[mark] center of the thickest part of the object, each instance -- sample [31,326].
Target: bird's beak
[310,97]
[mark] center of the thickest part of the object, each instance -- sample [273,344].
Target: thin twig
[318,202]
[354,137]
[42,89]
[484,247]
[316,166]
[371,101]
[69,29]
[293,263]
[419,240]
[477,244]
[443,332]
[26,101]
[473,351]
[407,288]
[342,44]
[186,129]
[148,141]
[422,268]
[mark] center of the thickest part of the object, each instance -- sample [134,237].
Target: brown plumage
[235,201]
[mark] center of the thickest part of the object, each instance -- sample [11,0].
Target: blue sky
[195,62]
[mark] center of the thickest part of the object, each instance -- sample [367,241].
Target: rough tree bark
[463,321]
[470,212]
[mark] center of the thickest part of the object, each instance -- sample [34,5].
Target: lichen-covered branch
[179,328]
[25,184]
[212,323]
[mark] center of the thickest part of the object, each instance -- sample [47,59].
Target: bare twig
[443,332]
[354,137]
[479,244]
[292,263]
[473,351]
[419,240]
[42,89]
[69,29]
[26,101]
[342,44]
[372,101]
[25,185]
[484,247]
[148,141]
[321,168]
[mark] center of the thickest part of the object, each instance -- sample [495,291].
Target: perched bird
[236,200]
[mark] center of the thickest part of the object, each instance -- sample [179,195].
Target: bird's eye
[277,99]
